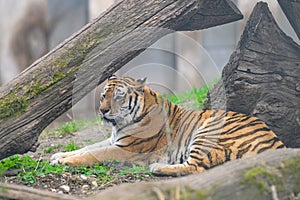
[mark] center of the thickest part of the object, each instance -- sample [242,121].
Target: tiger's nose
[104,111]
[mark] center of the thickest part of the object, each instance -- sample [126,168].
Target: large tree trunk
[49,86]
[262,77]
[266,176]
[291,9]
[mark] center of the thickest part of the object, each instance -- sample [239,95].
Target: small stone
[65,188]
[83,177]
[85,187]
[60,192]
[94,183]
[66,174]
[53,190]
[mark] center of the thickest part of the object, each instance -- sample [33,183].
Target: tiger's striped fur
[148,129]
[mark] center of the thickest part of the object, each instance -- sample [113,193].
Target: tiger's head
[122,100]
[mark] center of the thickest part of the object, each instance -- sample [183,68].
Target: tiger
[149,130]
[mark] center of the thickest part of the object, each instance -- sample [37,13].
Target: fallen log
[53,83]
[265,176]
[262,77]
[9,191]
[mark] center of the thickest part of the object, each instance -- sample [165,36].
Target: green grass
[31,169]
[135,170]
[51,148]
[70,127]
[196,97]
[70,147]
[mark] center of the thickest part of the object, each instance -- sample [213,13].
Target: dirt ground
[76,184]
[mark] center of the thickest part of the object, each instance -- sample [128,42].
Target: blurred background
[176,63]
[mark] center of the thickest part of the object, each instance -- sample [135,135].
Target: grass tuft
[195,97]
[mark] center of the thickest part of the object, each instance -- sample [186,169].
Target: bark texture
[291,9]
[49,86]
[262,77]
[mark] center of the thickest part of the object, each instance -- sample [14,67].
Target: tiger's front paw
[62,158]
[55,158]
[157,168]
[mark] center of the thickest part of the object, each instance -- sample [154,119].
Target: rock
[65,188]
[94,183]
[66,174]
[83,177]
[85,188]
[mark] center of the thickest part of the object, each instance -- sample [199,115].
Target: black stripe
[155,97]
[244,135]
[213,114]
[251,140]
[204,131]
[265,142]
[281,146]
[139,140]
[190,164]
[172,123]
[233,129]
[224,125]
[179,119]
[161,131]
[240,127]
[206,152]
[228,153]
[212,147]
[135,102]
[182,133]
[138,119]
[203,151]
[201,164]
[217,121]
[169,104]
[241,152]
[195,157]
[130,100]
[268,147]
[183,123]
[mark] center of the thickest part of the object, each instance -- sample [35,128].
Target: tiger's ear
[142,80]
[141,87]
[112,77]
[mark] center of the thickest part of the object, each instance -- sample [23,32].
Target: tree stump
[262,77]
[52,84]
[291,9]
